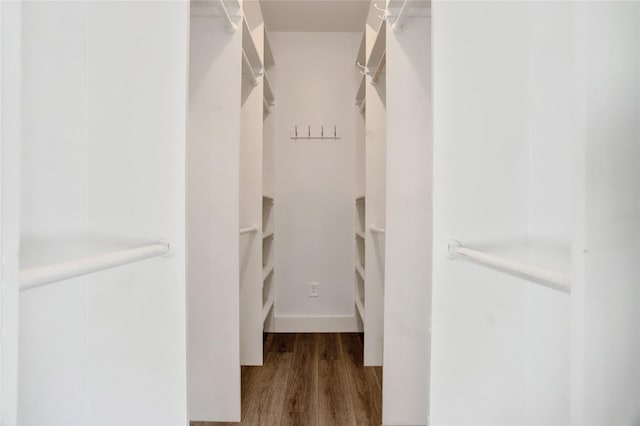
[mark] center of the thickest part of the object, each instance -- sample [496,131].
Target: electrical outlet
[313,289]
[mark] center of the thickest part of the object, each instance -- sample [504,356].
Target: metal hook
[365,70]
[385,12]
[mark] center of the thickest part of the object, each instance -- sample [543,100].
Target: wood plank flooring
[311,379]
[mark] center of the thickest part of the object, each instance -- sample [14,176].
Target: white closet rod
[545,277]
[232,25]
[251,230]
[42,275]
[252,73]
[397,26]
[376,230]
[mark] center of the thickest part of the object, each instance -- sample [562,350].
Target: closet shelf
[360,307]
[546,277]
[266,271]
[267,234]
[379,48]
[269,198]
[360,271]
[268,52]
[48,274]
[248,70]
[269,97]
[266,308]
[360,198]
[360,234]
[250,51]
[361,94]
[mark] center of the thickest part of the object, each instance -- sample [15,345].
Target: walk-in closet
[316,212]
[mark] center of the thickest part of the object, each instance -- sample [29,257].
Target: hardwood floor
[311,379]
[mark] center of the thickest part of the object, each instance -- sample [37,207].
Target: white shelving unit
[268,288]
[377,58]
[269,97]
[370,249]
[359,279]
[361,58]
[252,60]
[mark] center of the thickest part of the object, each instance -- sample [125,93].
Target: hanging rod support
[385,12]
[375,230]
[250,230]
[363,69]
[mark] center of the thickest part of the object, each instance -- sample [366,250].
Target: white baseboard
[295,324]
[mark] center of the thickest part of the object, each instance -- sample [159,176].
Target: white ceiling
[315,15]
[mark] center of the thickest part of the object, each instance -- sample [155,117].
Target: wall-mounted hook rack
[296,136]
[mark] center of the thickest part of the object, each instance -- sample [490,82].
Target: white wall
[103,118]
[213,220]
[548,147]
[606,297]
[315,181]
[10,65]
[481,172]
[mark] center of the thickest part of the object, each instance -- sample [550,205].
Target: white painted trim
[319,324]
